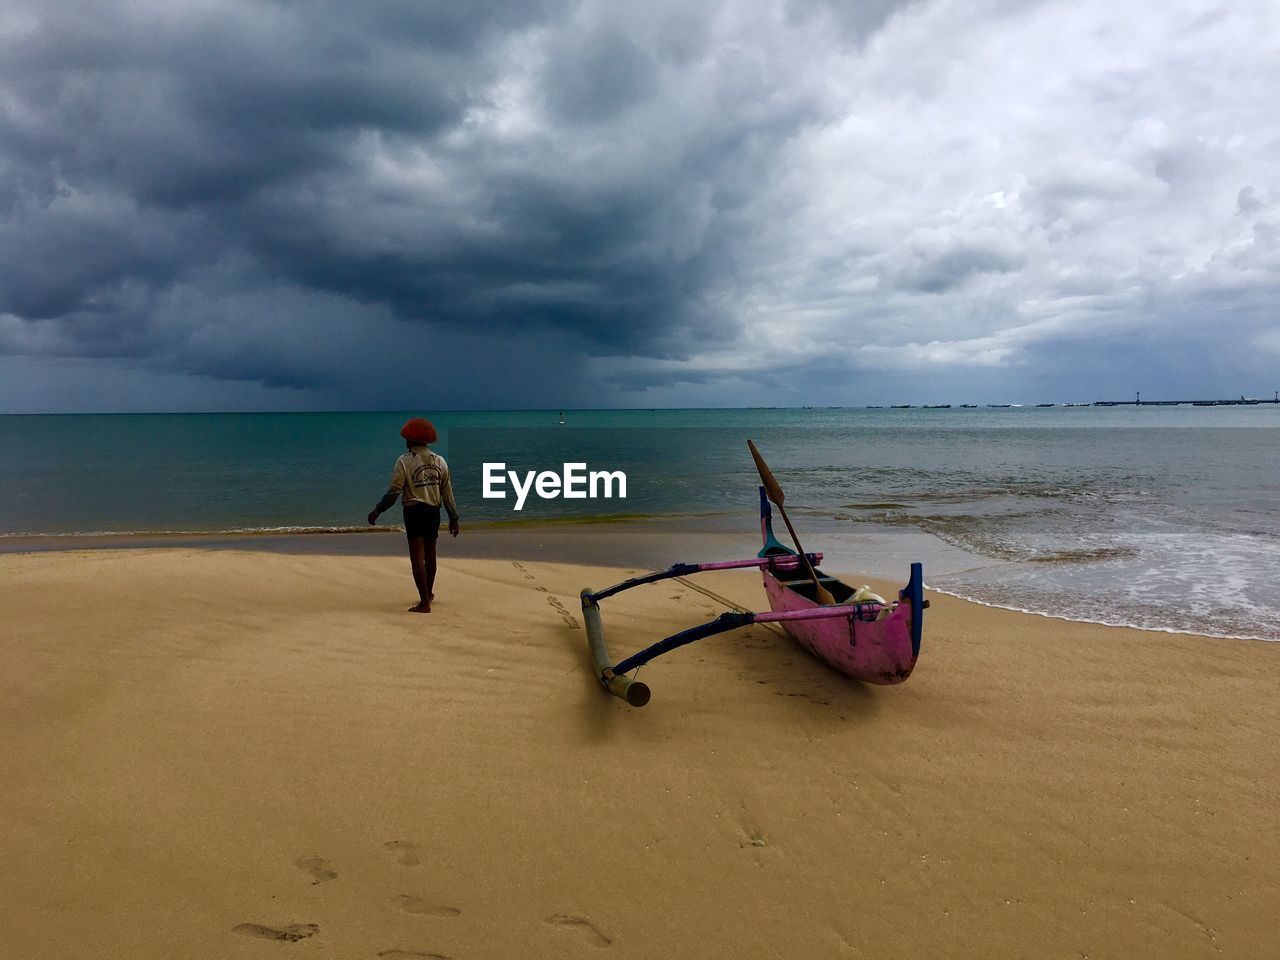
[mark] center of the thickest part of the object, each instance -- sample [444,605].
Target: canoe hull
[866,645]
[860,646]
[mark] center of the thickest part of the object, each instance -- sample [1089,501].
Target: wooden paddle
[774,493]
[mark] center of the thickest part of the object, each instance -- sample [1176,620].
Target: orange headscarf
[419,431]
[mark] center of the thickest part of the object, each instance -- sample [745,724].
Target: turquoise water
[1157,516]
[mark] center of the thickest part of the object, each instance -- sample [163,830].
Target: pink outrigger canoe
[873,642]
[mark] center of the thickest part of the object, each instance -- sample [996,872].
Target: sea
[1159,517]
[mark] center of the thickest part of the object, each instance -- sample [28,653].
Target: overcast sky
[223,204]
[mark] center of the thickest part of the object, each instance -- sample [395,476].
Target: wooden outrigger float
[870,640]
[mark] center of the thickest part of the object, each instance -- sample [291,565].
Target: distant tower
[1139,400]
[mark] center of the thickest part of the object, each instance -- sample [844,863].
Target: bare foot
[423,607]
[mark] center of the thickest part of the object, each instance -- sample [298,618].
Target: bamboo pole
[623,687]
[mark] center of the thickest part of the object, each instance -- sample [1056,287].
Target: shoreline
[648,541]
[1172,631]
[19,542]
[643,541]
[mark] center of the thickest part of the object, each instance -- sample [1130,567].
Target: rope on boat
[737,608]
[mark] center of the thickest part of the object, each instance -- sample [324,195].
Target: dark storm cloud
[595,78]
[66,261]
[669,196]
[182,106]
[137,142]
[354,151]
[569,256]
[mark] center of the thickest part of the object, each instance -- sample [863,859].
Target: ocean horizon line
[398,410]
[1025,404]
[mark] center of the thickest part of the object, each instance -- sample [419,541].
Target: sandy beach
[222,753]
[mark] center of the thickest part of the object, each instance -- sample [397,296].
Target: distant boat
[875,406]
[1046,404]
[1204,403]
[1000,406]
[937,406]
[901,406]
[968,406]
[1076,404]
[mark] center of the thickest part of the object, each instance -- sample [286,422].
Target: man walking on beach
[421,481]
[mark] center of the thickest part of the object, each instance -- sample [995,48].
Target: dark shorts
[421,520]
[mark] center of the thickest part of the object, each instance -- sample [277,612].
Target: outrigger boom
[684,569]
[613,677]
[873,641]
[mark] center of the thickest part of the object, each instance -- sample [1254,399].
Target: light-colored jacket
[422,476]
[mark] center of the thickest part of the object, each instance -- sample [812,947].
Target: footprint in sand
[565,615]
[290,934]
[592,932]
[317,867]
[803,695]
[521,567]
[406,852]
[416,905]
[410,955]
